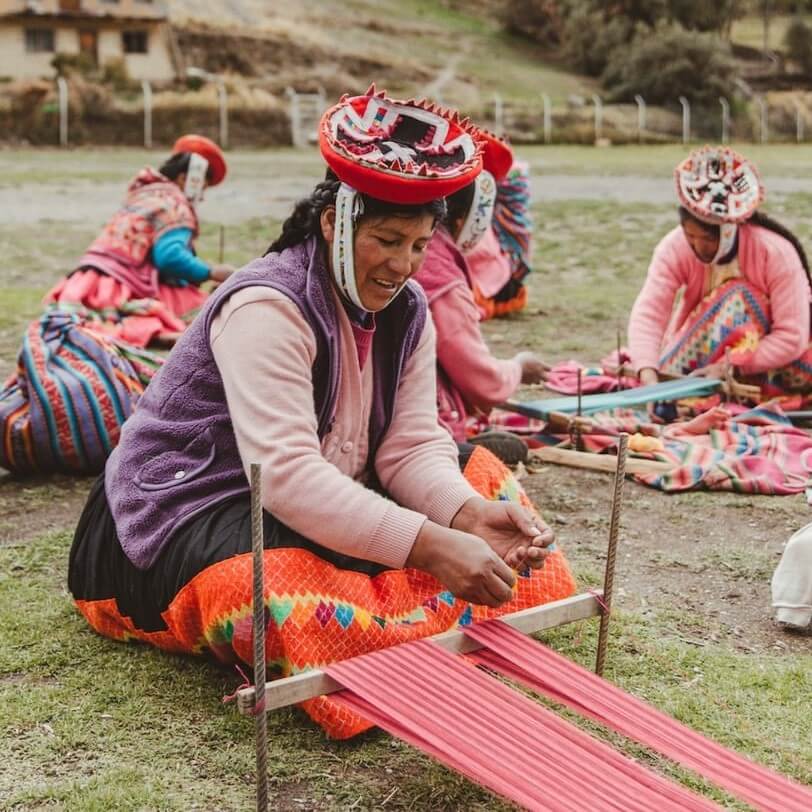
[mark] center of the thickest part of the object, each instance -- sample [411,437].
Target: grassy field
[89,724]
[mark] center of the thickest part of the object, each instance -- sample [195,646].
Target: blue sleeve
[174,259]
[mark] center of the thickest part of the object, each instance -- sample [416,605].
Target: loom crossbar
[310,684]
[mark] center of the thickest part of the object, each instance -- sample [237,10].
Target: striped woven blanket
[73,389]
[756,451]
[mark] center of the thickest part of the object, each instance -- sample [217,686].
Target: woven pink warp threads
[498,738]
[524,660]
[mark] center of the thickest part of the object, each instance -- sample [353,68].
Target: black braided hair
[305,221]
[178,164]
[459,204]
[758,218]
[765,221]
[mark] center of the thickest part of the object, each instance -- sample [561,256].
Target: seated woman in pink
[728,283]
[140,279]
[500,261]
[470,380]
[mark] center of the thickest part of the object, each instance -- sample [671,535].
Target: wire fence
[579,120]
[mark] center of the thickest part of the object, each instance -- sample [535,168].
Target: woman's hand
[534,370]
[648,376]
[219,273]
[462,563]
[510,530]
[718,370]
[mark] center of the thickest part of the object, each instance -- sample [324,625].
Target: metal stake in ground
[619,364]
[579,440]
[261,720]
[611,555]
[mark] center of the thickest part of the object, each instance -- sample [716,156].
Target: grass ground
[88,724]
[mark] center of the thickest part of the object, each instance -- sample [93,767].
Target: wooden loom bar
[310,684]
[611,554]
[597,462]
[258,606]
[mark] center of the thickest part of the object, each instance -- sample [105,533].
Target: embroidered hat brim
[207,149]
[497,156]
[718,185]
[407,152]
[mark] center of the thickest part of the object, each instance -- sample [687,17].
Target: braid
[305,220]
[765,221]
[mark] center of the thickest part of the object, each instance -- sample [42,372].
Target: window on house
[135,42]
[39,40]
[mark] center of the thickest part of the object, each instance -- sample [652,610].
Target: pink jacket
[470,379]
[767,261]
[317,488]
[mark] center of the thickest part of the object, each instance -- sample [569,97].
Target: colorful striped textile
[497,737]
[512,221]
[319,612]
[755,451]
[534,665]
[73,389]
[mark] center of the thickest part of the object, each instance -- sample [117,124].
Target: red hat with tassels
[399,151]
[207,149]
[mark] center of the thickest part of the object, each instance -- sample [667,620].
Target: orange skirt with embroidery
[317,612]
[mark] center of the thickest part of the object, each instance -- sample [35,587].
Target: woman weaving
[471,380]
[140,278]
[729,282]
[316,361]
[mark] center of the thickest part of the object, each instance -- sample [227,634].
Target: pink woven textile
[522,659]
[497,737]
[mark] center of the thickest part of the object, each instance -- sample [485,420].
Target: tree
[668,63]
[798,42]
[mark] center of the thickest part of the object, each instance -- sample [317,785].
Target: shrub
[669,62]
[115,73]
[539,20]
[590,40]
[798,42]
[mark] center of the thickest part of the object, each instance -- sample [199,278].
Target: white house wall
[17,63]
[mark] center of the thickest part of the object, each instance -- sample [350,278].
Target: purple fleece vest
[178,453]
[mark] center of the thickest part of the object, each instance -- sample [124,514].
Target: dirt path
[244,198]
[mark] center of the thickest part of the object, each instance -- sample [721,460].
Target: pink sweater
[316,488]
[767,261]
[470,378]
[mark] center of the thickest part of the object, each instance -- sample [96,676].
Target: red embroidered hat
[399,151]
[718,185]
[207,149]
[497,156]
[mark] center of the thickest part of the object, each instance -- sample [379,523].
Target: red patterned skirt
[111,303]
[321,606]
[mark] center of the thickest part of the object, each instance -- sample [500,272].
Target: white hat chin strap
[727,239]
[195,178]
[480,215]
[349,206]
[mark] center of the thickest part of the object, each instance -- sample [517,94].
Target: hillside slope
[414,47]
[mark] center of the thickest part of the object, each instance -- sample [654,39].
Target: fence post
[641,116]
[598,102]
[799,122]
[146,89]
[498,115]
[222,96]
[686,119]
[725,118]
[763,132]
[548,118]
[62,88]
